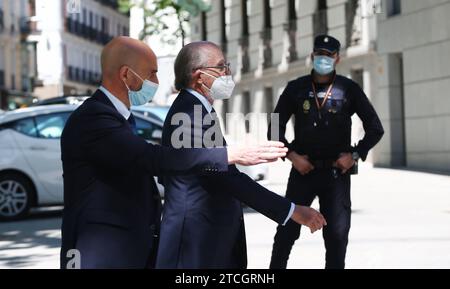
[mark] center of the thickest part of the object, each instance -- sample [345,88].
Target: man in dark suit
[112,206]
[202,224]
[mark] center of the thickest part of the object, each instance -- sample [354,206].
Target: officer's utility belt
[323,164]
[329,164]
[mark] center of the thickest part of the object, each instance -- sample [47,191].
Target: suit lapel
[205,115]
[102,98]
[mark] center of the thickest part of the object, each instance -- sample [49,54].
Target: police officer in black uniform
[321,153]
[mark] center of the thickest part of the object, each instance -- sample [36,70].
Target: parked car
[68,99]
[30,156]
[151,110]
[257,173]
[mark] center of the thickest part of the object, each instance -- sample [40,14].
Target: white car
[30,156]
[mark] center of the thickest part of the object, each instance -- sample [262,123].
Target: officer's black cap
[327,42]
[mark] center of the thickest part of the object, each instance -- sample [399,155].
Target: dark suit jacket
[202,225]
[111,202]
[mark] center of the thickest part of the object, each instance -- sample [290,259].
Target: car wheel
[16,195]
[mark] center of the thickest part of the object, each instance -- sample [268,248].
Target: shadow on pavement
[24,242]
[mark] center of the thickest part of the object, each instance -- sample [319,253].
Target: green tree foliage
[158,12]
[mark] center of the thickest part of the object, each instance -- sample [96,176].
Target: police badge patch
[306,106]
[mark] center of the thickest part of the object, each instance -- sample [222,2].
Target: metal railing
[2,78]
[87,32]
[245,57]
[266,38]
[82,75]
[353,23]
[290,28]
[2,21]
[320,22]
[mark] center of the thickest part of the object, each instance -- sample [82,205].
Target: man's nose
[155,79]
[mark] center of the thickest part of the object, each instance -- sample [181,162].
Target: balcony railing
[290,29]
[245,56]
[266,38]
[82,75]
[2,21]
[2,78]
[27,83]
[87,32]
[354,23]
[320,22]
[111,3]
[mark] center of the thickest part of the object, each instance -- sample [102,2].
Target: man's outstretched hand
[308,217]
[267,152]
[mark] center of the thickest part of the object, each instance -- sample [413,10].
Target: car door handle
[38,148]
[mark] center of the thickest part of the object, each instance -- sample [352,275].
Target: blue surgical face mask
[323,65]
[145,94]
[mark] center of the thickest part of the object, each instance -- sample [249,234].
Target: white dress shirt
[202,99]
[208,107]
[119,105]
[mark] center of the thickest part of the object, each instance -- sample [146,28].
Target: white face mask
[222,87]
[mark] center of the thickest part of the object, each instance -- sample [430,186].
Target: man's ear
[196,77]
[312,57]
[338,59]
[123,73]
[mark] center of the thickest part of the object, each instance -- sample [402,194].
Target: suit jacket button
[152,227]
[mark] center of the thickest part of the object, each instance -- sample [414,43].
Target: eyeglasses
[226,68]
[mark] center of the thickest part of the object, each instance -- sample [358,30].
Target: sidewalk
[401,219]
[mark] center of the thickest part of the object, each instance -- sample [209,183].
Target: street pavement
[401,219]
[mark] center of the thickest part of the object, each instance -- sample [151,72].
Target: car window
[51,125]
[145,128]
[25,126]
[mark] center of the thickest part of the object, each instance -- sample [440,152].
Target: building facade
[414,45]
[73,34]
[17,53]
[397,50]
[269,42]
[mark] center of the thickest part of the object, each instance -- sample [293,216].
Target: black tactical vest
[324,134]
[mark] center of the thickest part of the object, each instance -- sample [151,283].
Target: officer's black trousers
[334,200]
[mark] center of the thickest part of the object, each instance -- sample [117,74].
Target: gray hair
[190,57]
